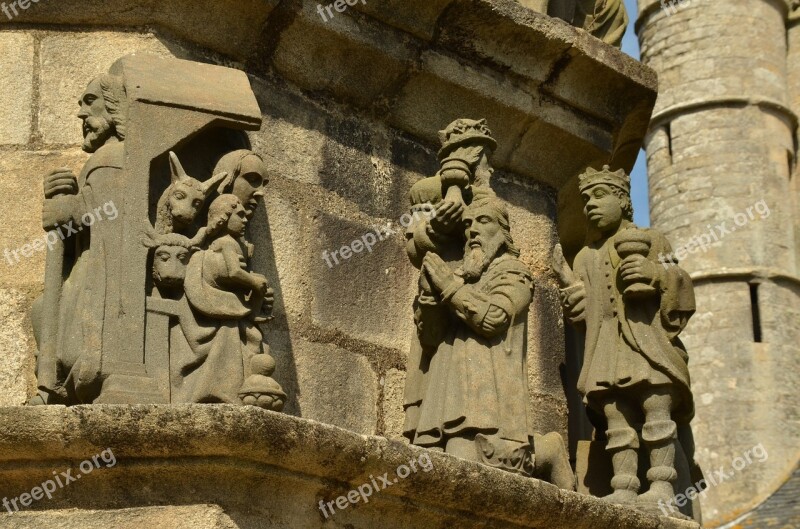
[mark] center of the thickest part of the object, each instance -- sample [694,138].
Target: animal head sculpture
[182,201]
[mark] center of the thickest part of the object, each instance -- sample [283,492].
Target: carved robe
[605,19]
[91,260]
[464,375]
[631,343]
[215,321]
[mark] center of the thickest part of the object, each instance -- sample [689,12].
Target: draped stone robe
[466,376]
[90,296]
[631,344]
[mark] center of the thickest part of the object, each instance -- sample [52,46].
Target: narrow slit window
[756,313]
[668,130]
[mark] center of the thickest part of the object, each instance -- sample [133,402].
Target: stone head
[247,175]
[606,198]
[227,214]
[170,258]
[183,200]
[103,108]
[488,235]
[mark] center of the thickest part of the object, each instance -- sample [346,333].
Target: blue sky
[641,207]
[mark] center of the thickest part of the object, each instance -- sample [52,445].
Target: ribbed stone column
[721,153]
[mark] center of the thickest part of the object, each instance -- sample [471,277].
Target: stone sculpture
[171,281]
[605,19]
[467,390]
[635,378]
[68,364]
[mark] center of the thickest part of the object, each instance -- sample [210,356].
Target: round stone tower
[721,156]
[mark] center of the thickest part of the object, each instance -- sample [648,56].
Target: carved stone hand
[60,182]
[639,269]
[448,217]
[439,273]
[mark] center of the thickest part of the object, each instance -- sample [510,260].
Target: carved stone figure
[224,301]
[467,390]
[68,319]
[605,19]
[635,378]
[183,200]
[154,307]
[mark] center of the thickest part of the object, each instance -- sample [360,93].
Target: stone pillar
[720,154]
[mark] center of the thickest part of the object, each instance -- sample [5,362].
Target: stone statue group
[466,391]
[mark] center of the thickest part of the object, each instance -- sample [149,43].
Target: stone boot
[661,438]
[623,444]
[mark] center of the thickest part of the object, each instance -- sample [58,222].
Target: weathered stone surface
[231,28]
[17,379]
[373,288]
[65,73]
[392,406]
[336,386]
[622,95]
[176,517]
[267,470]
[16,77]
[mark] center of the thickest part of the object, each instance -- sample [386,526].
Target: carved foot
[44,398]
[659,500]
[37,400]
[621,497]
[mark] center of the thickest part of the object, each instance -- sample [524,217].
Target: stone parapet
[218,466]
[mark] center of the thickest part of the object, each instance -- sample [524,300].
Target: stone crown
[464,131]
[592,177]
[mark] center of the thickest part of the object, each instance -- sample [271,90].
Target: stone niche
[349,111]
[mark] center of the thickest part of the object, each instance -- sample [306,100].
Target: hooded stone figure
[635,370]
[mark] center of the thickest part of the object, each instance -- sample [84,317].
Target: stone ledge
[270,470]
[557,99]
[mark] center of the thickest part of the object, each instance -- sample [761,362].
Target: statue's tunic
[91,263]
[605,19]
[631,344]
[215,320]
[466,375]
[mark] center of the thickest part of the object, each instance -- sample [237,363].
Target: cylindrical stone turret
[721,155]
